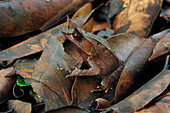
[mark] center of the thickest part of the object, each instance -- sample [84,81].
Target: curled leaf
[146,93]
[161,48]
[134,67]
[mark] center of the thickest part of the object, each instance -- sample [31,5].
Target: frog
[97,54]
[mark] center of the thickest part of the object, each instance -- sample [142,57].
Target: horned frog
[97,54]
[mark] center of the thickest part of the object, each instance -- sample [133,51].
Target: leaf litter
[132,23]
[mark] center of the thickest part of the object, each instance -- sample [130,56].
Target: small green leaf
[21,82]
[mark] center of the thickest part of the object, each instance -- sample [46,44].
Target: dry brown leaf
[161,48]
[6,85]
[160,106]
[137,17]
[19,107]
[135,65]
[124,44]
[145,94]
[23,16]
[102,103]
[81,91]
[48,80]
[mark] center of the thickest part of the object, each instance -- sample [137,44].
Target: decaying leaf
[134,66]
[73,6]
[48,80]
[19,107]
[37,43]
[20,16]
[25,68]
[81,91]
[99,26]
[123,44]
[6,85]
[145,94]
[160,35]
[160,106]
[102,103]
[161,48]
[27,47]
[69,109]
[137,17]
[82,11]
[82,53]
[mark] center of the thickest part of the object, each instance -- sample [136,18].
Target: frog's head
[75,37]
[72,33]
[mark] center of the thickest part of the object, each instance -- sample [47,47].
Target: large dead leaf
[67,10]
[6,85]
[134,67]
[19,107]
[161,48]
[37,43]
[23,16]
[137,17]
[161,34]
[145,94]
[160,106]
[48,79]
[123,44]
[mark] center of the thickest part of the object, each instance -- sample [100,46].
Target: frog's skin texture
[97,54]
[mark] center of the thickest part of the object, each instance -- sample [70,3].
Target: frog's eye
[77,36]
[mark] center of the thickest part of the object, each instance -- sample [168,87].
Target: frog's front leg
[92,71]
[108,80]
[79,63]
